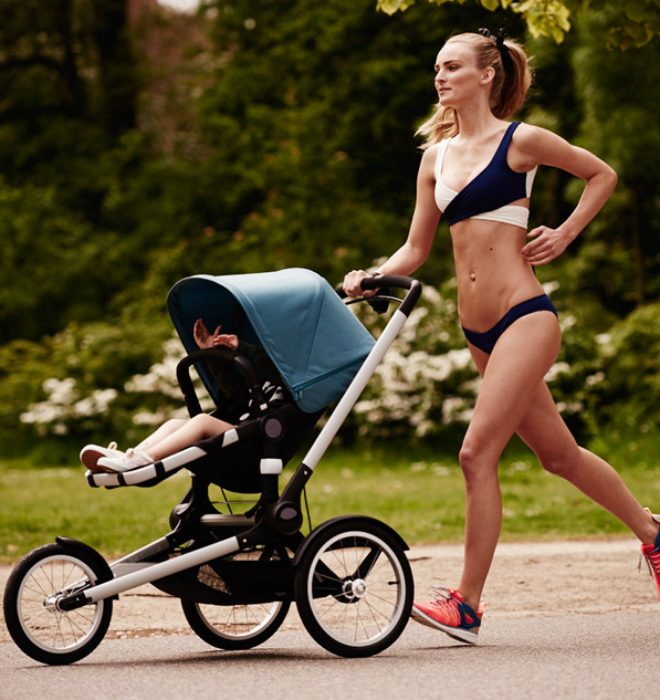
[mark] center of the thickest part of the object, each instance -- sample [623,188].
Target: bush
[625,392]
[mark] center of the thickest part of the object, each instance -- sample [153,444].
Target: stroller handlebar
[384,283]
[397,281]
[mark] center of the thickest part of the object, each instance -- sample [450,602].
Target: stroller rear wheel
[354,587]
[33,615]
[240,626]
[235,627]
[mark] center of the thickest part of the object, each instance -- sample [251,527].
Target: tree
[638,21]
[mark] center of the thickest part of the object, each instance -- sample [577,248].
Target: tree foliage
[298,150]
[637,23]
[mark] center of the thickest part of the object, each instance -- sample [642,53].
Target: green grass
[416,490]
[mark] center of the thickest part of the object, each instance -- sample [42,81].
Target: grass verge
[418,491]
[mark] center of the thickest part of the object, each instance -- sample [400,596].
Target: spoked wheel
[354,588]
[235,627]
[31,605]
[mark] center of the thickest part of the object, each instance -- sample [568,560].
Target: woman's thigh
[544,431]
[511,377]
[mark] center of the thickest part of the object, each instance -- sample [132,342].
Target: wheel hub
[355,589]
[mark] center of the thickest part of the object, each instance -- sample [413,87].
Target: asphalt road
[605,656]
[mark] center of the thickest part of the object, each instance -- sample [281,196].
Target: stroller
[237,574]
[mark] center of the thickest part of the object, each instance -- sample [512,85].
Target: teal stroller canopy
[314,340]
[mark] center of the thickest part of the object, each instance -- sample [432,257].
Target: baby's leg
[198,428]
[161,433]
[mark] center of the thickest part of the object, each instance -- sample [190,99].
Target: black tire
[235,627]
[241,626]
[354,588]
[39,628]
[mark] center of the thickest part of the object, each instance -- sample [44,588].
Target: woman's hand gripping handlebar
[359,283]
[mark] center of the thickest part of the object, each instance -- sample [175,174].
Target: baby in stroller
[178,433]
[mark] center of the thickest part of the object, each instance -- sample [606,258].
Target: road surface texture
[563,620]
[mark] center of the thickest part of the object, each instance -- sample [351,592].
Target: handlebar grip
[412,286]
[396,281]
[380,281]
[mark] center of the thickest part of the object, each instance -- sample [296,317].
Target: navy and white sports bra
[489,195]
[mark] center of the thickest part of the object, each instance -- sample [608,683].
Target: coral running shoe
[651,553]
[451,614]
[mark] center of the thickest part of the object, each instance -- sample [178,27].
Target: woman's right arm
[414,252]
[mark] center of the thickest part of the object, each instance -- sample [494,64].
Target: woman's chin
[445,100]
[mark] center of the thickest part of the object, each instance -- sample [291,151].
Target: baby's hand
[227,340]
[204,339]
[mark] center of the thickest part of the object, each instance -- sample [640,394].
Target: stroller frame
[289,564]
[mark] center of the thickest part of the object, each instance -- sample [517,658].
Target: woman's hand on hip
[547,244]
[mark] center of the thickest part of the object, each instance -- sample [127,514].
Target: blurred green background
[139,145]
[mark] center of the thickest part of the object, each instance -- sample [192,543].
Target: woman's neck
[476,121]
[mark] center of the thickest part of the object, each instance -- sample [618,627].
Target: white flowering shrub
[158,390]
[69,389]
[426,381]
[89,383]
[145,401]
[65,406]
[622,390]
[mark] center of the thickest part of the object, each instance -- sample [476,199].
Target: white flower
[556,370]
[62,391]
[594,379]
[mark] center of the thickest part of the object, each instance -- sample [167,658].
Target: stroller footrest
[150,472]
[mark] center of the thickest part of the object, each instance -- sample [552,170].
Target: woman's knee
[476,461]
[560,461]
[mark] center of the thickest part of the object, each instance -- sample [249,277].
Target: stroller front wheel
[36,622]
[354,587]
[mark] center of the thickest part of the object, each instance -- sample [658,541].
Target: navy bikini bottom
[486,341]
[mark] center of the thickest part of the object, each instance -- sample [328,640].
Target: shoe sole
[457,633]
[89,457]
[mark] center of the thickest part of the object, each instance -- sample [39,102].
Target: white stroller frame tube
[355,388]
[162,569]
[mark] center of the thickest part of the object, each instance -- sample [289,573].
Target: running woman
[477,170]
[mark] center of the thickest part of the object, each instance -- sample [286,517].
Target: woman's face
[457,77]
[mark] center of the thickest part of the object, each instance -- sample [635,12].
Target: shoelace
[652,561]
[112,445]
[442,592]
[445,596]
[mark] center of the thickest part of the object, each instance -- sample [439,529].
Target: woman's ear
[487,75]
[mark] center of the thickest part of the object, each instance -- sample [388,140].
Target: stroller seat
[231,460]
[314,346]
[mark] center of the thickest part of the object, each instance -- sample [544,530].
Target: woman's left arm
[542,147]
